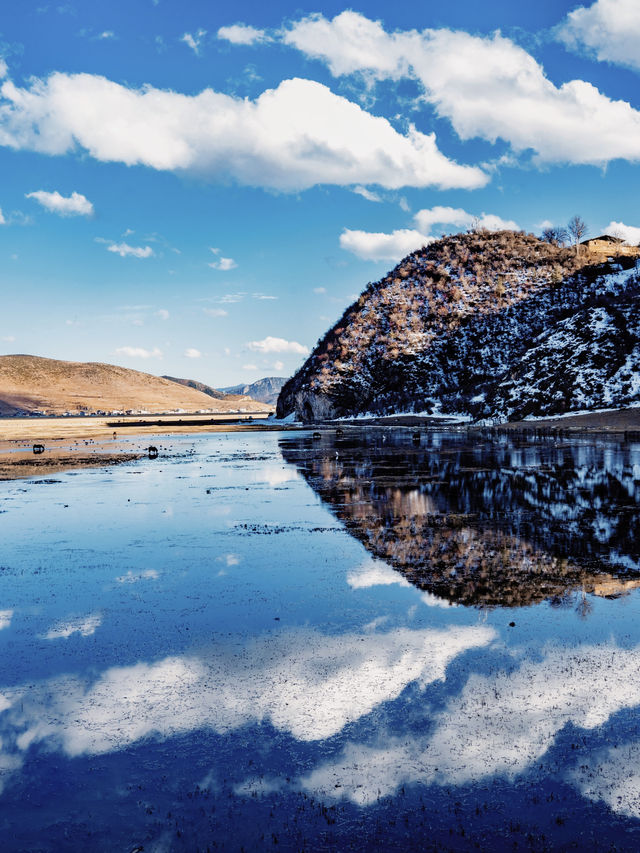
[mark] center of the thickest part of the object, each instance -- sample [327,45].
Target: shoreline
[72,443]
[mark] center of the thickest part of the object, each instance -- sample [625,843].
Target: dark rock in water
[483,324]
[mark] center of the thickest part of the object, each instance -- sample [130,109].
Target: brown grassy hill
[29,383]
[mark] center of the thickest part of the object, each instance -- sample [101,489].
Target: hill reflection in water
[499,522]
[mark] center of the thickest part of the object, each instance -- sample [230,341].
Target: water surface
[265,640]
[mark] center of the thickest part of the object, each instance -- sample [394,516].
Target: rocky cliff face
[496,324]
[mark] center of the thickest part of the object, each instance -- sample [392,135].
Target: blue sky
[201,191]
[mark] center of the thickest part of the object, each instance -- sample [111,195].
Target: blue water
[265,641]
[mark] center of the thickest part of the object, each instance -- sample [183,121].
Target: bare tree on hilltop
[577,229]
[556,235]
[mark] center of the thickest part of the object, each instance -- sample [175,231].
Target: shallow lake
[357,642]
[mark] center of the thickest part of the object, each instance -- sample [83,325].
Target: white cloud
[612,775]
[278,365]
[303,682]
[629,233]
[3,68]
[319,290]
[191,352]
[459,218]
[3,221]
[263,296]
[249,366]
[139,352]
[608,30]
[242,34]
[290,138]
[107,34]
[365,193]
[223,264]
[83,625]
[5,618]
[488,87]
[378,246]
[74,205]
[194,41]
[163,314]
[215,312]
[229,559]
[270,344]
[135,577]
[375,573]
[124,250]
[499,725]
[231,298]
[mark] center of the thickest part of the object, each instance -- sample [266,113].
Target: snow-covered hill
[492,324]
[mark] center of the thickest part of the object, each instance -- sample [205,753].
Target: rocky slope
[31,384]
[264,390]
[488,324]
[206,389]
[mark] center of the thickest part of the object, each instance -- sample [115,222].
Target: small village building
[606,246]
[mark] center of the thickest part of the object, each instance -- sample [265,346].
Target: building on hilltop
[605,246]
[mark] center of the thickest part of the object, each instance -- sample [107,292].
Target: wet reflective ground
[266,641]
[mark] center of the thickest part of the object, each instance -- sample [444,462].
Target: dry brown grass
[31,383]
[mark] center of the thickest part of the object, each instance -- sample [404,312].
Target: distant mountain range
[31,385]
[204,389]
[264,390]
[496,325]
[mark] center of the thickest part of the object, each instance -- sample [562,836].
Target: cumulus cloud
[290,138]
[191,352]
[135,577]
[83,625]
[215,312]
[3,221]
[487,87]
[608,30]
[5,618]
[612,775]
[125,250]
[271,344]
[305,682]
[223,264]
[242,34]
[374,573]
[378,246]
[139,352]
[425,219]
[163,314]
[500,724]
[74,205]
[194,41]
[629,233]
